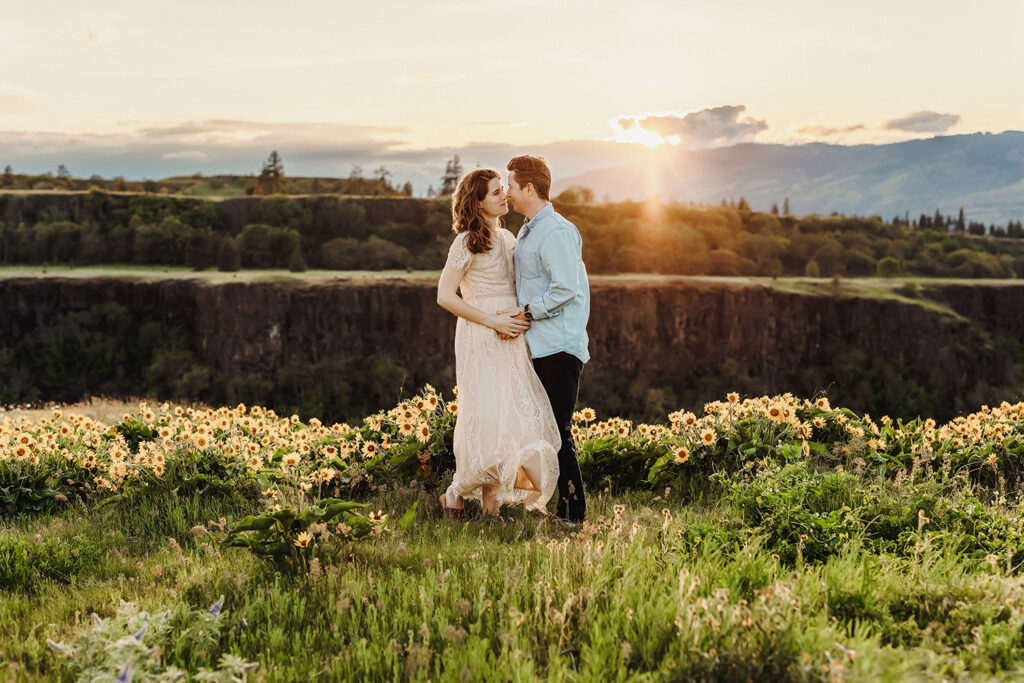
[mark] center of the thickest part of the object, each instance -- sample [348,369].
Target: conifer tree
[451,177]
[271,180]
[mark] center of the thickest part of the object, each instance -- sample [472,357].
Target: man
[554,295]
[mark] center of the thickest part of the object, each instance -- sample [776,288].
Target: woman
[506,440]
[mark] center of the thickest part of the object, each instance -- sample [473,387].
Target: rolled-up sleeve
[560,256]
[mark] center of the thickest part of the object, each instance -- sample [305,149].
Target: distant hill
[982,172]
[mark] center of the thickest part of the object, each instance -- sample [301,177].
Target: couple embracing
[520,344]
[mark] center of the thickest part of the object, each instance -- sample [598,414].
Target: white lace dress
[505,420]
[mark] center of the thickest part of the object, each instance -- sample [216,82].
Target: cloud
[430,78]
[714,127]
[238,130]
[219,145]
[186,154]
[502,124]
[924,122]
[829,131]
[13,103]
[142,151]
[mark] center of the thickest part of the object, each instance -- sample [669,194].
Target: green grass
[632,595]
[865,287]
[206,192]
[210,276]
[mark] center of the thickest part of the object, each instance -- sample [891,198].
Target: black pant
[560,375]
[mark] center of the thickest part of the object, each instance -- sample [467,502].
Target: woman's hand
[507,324]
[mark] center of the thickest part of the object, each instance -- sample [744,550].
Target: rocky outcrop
[676,331]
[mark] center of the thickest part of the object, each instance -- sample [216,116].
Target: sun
[638,135]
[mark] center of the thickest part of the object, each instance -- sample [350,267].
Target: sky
[147,89]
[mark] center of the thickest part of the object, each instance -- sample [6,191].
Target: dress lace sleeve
[510,240]
[459,256]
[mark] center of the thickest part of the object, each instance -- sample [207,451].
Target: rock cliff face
[676,333]
[997,308]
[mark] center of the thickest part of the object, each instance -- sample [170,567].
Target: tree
[356,172]
[960,224]
[8,178]
[407,189]
[576,194]
[228,259]
[451,177]
[775,209]
[743,207]
[889,267]
[267,246]
[63,173]
[271,180]
[383,175]
[200,249]
[785,207]
[297,262]
[812,269]
[431,192]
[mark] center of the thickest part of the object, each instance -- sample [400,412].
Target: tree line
[271,180]
[381,233]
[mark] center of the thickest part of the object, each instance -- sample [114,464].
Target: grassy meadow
[770,538]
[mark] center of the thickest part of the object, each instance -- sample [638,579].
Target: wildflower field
[767,538]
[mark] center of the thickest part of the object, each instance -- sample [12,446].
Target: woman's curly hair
[467,216]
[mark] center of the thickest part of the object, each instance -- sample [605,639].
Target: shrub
[909,290]
[297,262]
[228,259]
[267,246]
[122,648]
[345,253]
[889,267]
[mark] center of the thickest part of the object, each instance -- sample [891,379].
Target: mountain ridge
[982,172]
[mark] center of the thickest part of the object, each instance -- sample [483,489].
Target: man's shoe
[561,523]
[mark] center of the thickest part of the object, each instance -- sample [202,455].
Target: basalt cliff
[657,345]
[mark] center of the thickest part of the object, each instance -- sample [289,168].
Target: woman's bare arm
[448,299]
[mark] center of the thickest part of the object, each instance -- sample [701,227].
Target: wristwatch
[527,313]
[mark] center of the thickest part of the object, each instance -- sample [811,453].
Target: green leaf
[409,515]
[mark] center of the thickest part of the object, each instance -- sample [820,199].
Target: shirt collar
[548,208]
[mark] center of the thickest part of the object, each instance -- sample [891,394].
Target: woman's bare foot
[489,501]
[452,512]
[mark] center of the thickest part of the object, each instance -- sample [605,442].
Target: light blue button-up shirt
[551,278]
